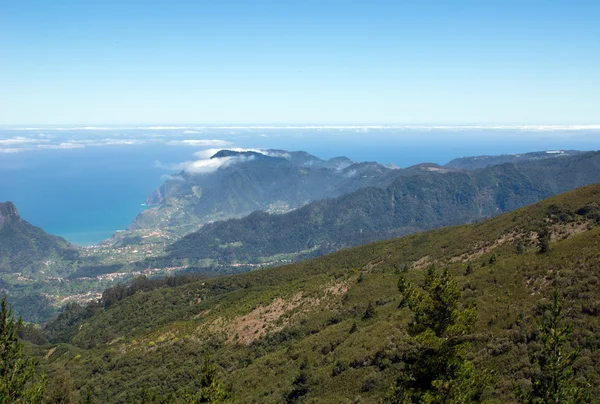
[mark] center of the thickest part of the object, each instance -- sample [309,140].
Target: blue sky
[410,62]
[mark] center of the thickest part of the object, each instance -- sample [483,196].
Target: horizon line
[223,126]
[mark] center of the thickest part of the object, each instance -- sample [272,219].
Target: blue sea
[84,183]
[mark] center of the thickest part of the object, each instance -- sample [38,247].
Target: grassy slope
[300,316]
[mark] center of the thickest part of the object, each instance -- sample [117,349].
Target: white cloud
[275,154]
[169,177]
[207,153]
[13,150]
[110,142]
[212,165]
[19,140]
[199,142]
[68,145]
[64,145]
[206,164]
[172,166]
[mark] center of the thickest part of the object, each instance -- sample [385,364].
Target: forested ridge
[410,204]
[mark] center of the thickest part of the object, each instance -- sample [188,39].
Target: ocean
[83,184]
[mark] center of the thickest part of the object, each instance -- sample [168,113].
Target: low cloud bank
[199,142]
[206,165]
[212,165]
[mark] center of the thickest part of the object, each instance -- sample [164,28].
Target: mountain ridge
[410,204]
[474,162]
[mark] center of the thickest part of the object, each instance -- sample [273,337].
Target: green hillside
[22,245]
[335,329]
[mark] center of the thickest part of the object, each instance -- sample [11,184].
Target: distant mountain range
[471,163]
[234,184]
[429,198]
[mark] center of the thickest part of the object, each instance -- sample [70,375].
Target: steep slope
[303,327]
[410,204]
[233,183]
[24,247]
[27,255]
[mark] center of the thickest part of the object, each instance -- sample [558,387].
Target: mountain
[431,197]
[233,184]
[472,163]
[28,253]
[303,331]
[24,246]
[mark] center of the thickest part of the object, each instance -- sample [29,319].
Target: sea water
[85,183]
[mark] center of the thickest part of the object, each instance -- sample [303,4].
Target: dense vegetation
[338,329]
[19,378]
[410,204]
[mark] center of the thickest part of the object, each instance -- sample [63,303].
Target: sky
[324,61]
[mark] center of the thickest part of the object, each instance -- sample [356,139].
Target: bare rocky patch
[273,317]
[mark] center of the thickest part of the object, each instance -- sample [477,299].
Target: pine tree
[554,381]
[19,379]
[437,370]
[211,390]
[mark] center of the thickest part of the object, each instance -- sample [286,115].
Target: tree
[553,381]
[369,312]
[544,239]
[469,269]
[211,390]
[19,379]
[436,369]
[60,389]
[300,388]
